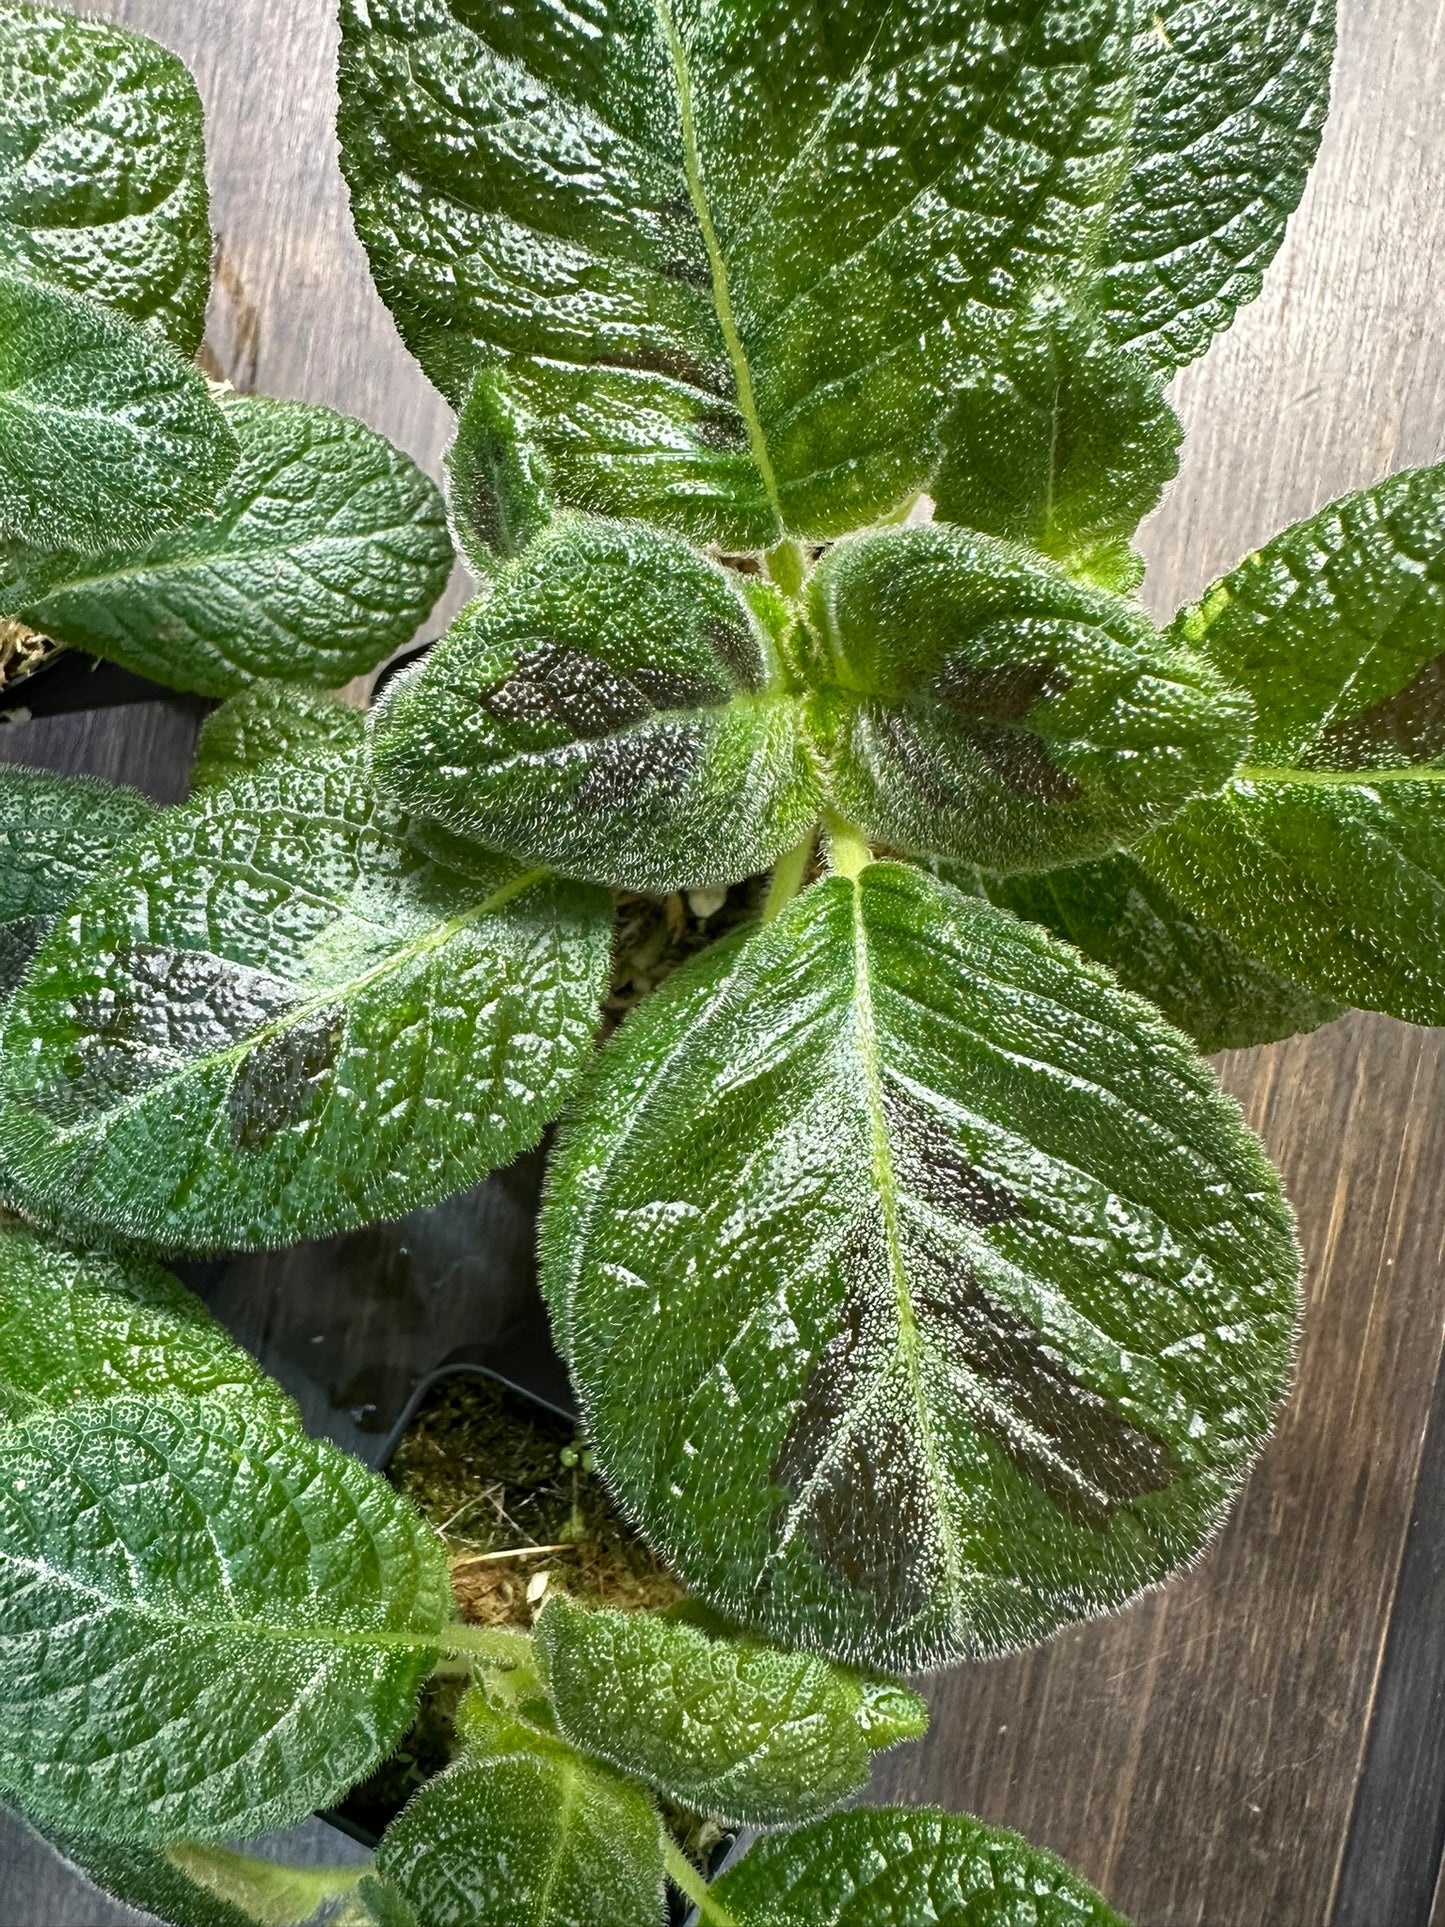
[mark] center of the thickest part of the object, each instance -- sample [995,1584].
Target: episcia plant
[921,1291]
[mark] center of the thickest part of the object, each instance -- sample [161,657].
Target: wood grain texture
[1208,1757]
[1199,1757]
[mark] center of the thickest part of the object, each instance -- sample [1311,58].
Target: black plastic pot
[72,681]
[536,1375]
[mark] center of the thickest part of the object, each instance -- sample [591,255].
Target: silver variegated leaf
[962,1296]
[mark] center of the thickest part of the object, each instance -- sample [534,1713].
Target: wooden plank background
[1262,1744]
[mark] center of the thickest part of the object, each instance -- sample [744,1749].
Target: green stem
[788,874]
[485,1642]
[787,565]
[689,1882]
[848,849]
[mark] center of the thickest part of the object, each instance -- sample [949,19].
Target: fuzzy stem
[788,874]
[848,849]
[689,1882]
[490,1643]
[787,565]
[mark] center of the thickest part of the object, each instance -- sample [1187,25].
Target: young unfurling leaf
[977,703]
[500,489]
[106,434]
[1121,915]
[1064,442]
[267,722]
[908,1865]
[1230,103]
[521,1828]
[735,265]
[1325,856]
[961,1295]
[213,1624]
[103,168]
[55,833]
[721,1726]
[614,707]
[76,1326]
[322,553]
[272,1016]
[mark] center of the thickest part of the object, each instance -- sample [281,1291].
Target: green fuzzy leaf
[267,722]
[726,1727]
[735,261]
[385,1905]
[103,169]
[1325,857]
[521,1828]
[612,707]
[321,555]
[192,1885]
[76,1326]
[1065,444]
[1121,915]
[1232,98]
[55,833]
[962,1296]
[905,1867]
[272,1018]
[499,486]
[106,434]
[980,704]
[214,1625]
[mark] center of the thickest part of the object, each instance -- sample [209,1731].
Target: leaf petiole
[787,565]
[489,1643]
[849,852]
[788,874]
[689,1882]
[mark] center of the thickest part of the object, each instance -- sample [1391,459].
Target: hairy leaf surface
[722,1726]
[906,1867]
[980,704]
[268,722]
[735,260]
[214,1625]
[612,707]
[1232,98]
[1121,915]
[961,1295]
[106,434]
[55,833]
[1064,442]
[321,555]
[522,1829]
[76,1326]
[103,168]
[193,1885]
[1325,857]
[499,485]
[273,1017]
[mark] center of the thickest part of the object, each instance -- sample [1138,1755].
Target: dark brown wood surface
[1261,1744]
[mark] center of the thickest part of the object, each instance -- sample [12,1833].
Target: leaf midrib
[150,1615]
[721,294]
[885,1179]
[1343,778]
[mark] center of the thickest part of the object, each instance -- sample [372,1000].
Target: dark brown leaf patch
[929,1165]
[1408,727]
[165,1008]
[280,1081]
[999,695]
[860,1472]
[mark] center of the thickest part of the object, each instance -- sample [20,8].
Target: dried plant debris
[656,934]
[510,1488]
